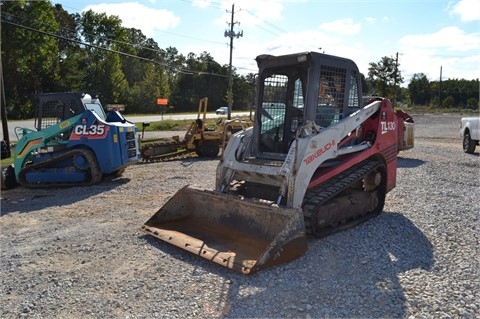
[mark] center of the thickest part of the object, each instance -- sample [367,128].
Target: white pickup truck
[470,132]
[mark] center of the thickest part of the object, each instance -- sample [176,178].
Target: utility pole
[3,102]
[440,89]
[231,34]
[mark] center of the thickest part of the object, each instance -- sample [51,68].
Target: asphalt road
[30,123]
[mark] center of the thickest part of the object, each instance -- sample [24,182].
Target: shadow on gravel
[409,162]
[351,274]
[477,154]
[185,160]
[25,200]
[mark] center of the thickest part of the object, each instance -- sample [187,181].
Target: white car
[223,110]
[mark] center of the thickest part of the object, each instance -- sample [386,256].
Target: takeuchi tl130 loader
[75,143]
[316,161]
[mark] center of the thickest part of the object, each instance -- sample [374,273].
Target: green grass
[8,161]
[165,125]
[435,110]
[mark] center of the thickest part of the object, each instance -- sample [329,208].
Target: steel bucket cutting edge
[241,234]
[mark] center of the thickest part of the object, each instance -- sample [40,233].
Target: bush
[448,102]
[472,103]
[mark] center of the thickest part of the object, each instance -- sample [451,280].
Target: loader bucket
[240,234]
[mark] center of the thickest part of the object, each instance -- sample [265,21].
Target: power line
[176,34]
[8,16]
[211,4]
[267,23]
[78,41]
[181,69]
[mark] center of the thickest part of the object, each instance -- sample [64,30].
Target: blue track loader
[75,143]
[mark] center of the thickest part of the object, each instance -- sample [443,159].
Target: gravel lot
[78,253]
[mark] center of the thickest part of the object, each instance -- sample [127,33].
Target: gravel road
[78,252]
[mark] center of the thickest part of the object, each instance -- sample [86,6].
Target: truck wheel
[468,143]
[210,148]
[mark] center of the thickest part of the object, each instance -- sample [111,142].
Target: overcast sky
[427,35]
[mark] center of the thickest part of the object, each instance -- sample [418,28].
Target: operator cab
[53,108]
[299,88]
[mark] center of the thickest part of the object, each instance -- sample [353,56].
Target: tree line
[384,79]
[47,49]
[451,93]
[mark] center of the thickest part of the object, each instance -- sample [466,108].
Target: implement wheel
[209,148]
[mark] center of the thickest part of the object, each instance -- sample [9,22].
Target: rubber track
[167,157]
[320,194]
[95,173]
[164,156]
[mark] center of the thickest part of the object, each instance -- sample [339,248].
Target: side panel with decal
[94,131]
